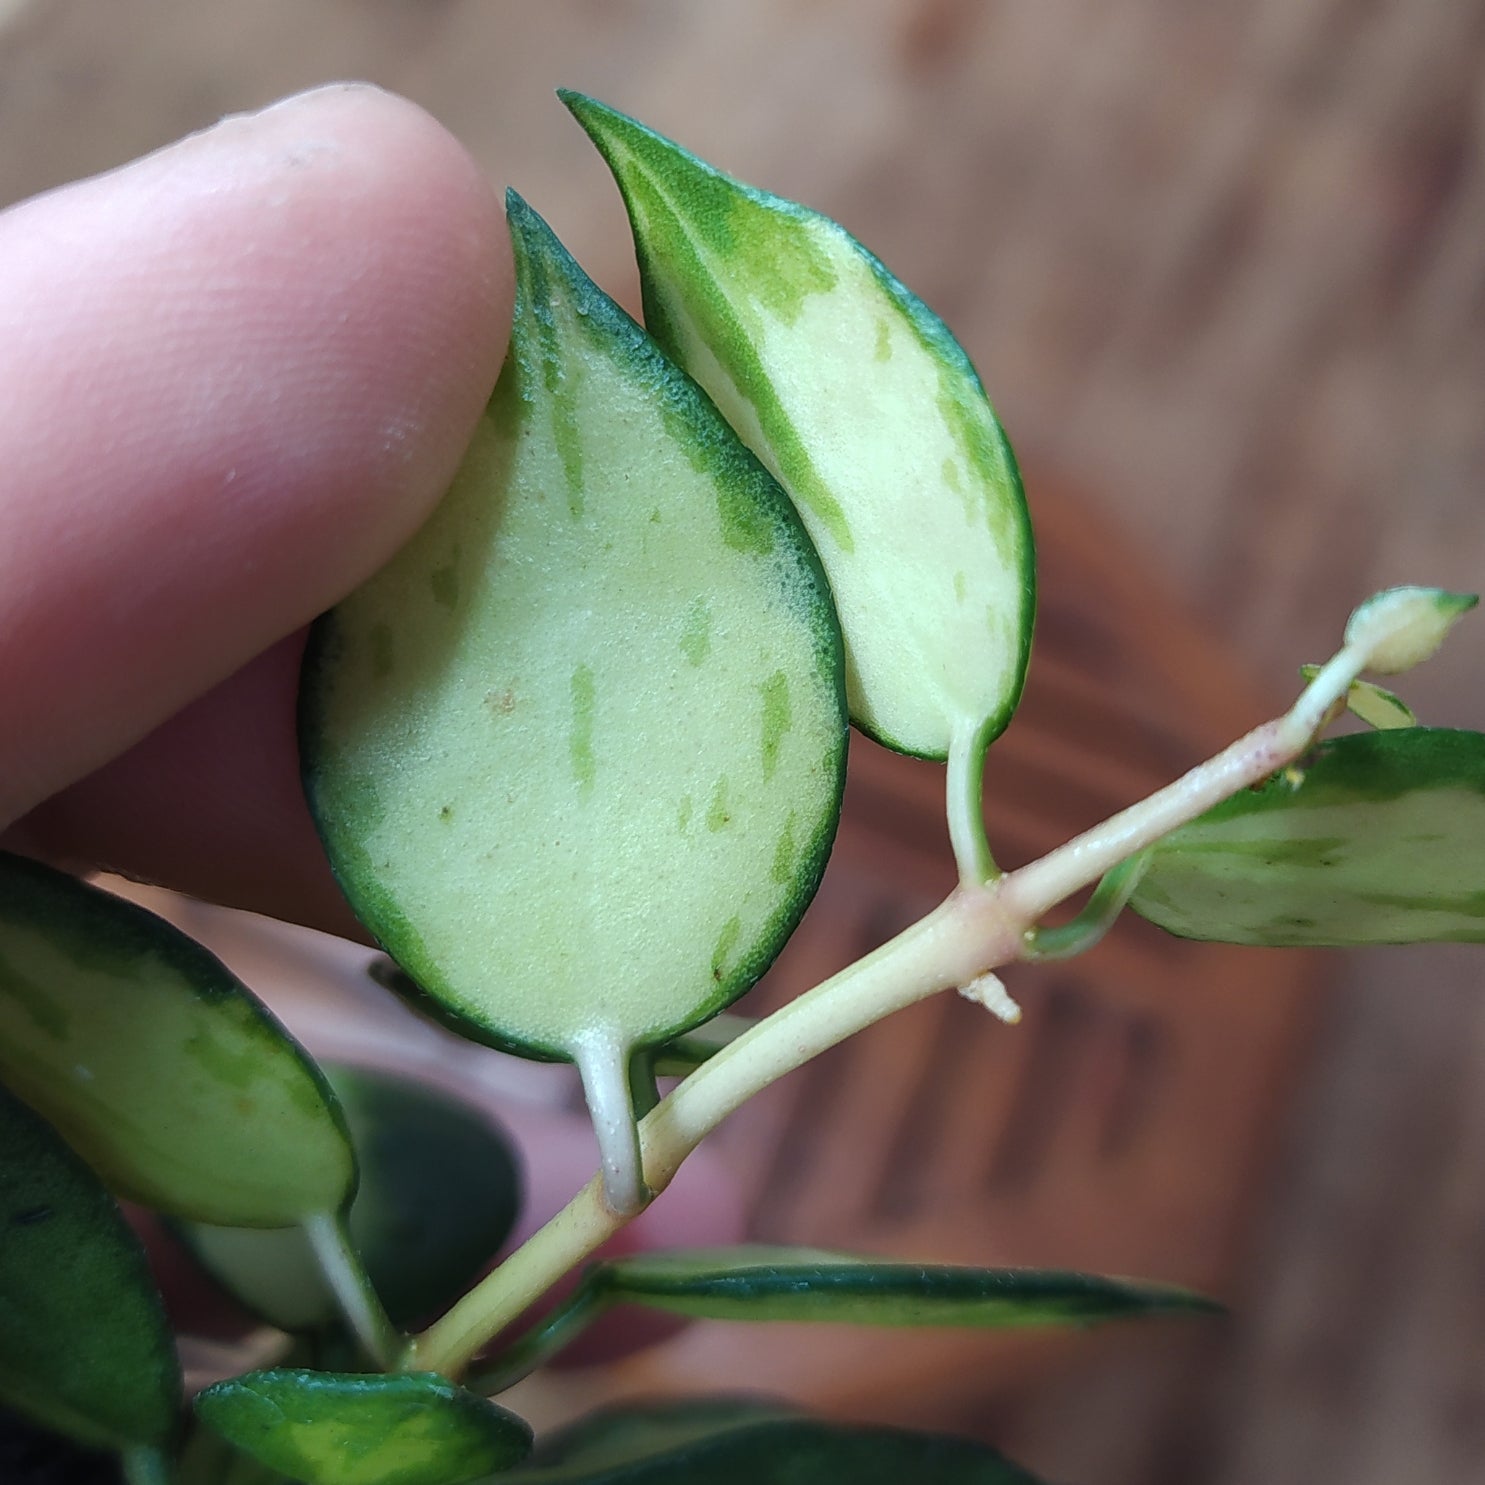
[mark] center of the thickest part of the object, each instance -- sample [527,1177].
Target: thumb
[238,375]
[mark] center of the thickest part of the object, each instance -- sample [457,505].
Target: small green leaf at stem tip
[790,1284]
[748,1441]
[1402,627]
[333,1428]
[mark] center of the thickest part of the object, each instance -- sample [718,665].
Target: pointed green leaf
[155,1063]
[577,753]
[858,398]
[84,1347]
[748,1442]
[795,1284]
[1375,706]
[440,1190]
[1374,838]
[332,1428]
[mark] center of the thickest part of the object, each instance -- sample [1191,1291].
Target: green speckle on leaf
[785,853]
[683,814]
[777,719]
[961,586]
[580,744]
[696,631]
[444,585]
[883,348]
[951,476]
[983,454]
[379,637]
[360,800]
[561,377]
[236,1068]
[745,527]
[718,812]
[726,943]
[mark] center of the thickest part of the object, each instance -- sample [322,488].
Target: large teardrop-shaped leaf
[84,1346]
[577,753]
[748,1442]
[857,397]
[439,1193]
[1373,838]
[763,1283]
[156,1064]
[332,1428]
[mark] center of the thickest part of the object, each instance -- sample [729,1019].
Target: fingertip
[239,374]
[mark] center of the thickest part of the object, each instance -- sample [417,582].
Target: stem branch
[341,1265]
[1109,898]
[983,924]
[965,791]
[960,939]
[1040,886]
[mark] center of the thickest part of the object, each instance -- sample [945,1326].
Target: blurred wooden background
[1223,264]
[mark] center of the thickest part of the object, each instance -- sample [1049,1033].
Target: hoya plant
[577,757]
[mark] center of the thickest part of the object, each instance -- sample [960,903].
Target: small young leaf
[759,1283]
[1402,627]
[84,1346]
[1375,706]
[440,1190]
[576,754]
[331,1428]
[1373,838]
[156,1064]
[747,1442]
[869,412]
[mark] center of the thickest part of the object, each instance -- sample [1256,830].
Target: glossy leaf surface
[577,753]
[755,1283]
[731,1442]
[439,1192]
[328,1428]
[84,1346]
[858,398]
[1373,838]
[155,1063]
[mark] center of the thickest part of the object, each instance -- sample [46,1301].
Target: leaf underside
[577,753]
[1373,838]
[858,398]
